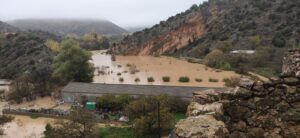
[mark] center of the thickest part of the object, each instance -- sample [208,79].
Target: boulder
[195,109]
[203,126]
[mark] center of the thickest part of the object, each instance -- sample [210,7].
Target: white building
[243,52]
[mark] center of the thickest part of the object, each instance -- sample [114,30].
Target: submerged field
[145,67]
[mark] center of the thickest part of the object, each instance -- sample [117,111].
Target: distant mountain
[4,27]
[134,29]
[64,27]
[244,24]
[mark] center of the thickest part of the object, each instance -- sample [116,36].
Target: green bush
[213,80]
[184,79]
[278,40]
[198,80]
[166,78]
[231,82]
[150,79]
[121,79]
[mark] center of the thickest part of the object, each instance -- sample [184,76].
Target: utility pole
[158,118]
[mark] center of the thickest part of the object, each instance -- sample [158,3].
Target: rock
[292,115]
[207,96]
[246,83]
[195,109]
[241,126]
[237,134]
[255,133]
[276,80]
[291,81]
[282,106]
[243,93]
[203,126]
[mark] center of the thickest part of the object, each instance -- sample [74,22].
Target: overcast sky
[126,13]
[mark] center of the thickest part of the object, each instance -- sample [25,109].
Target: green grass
[115,132]
[179,116]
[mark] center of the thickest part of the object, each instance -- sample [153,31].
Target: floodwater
[148,66]
[26,127]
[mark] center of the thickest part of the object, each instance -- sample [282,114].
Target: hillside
[65,27]
[4,27]
[268,26]
[24,52]
[218,21]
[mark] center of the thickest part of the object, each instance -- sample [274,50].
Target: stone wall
[291,63]
[254,109]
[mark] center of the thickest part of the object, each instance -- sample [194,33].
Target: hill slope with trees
[65,27]
[267,26]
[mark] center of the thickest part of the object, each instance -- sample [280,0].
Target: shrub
[231,82]
[166,78]
[198,80]
[225,66]
[151,79]
[184,79]
[137,80]
[121,79]
[213,80]
[278,40]
[119,74]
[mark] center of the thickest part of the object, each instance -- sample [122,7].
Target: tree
[53,45]
[112,102]
[3,120]
[21,88]
[151,116]
[214,58]
[81,124]
[278,40]
[72,63]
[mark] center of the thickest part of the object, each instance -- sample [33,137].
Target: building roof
[5,82]
[100,88]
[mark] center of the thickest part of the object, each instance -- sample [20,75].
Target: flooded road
[156,67]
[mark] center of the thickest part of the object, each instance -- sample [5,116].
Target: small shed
[90,105]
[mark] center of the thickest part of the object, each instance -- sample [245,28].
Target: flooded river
[156,67]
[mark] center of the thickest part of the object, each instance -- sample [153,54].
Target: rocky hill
[255,109]
[65,27]
[245,24]
[4,27]
[24,52]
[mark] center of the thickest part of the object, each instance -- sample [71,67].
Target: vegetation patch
[198,80]
[121,79]
[184,79]
[166,79]
[137,80]
[115,132]
[213,80]
[231,82]
[150,79]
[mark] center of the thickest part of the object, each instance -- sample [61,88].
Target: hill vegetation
[64,27]
[266,26]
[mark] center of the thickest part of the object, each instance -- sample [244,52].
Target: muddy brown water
[156,67]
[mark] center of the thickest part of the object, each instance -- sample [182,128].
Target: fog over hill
[69,26]
[4,27]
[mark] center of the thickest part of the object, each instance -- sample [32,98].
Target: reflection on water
[131,67]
